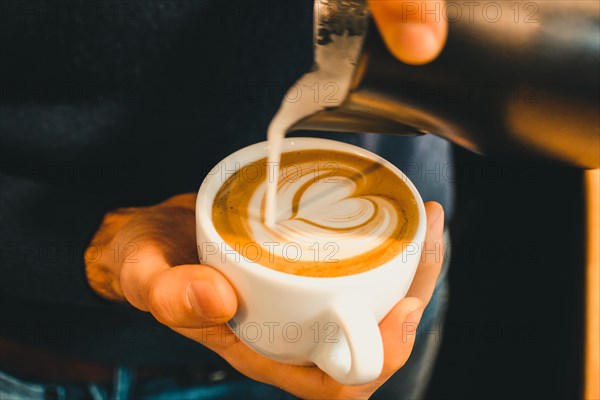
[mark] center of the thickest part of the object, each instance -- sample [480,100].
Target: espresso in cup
[338,214]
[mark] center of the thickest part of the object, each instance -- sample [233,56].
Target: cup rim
[258,150]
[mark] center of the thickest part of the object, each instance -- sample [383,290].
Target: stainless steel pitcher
[525,83]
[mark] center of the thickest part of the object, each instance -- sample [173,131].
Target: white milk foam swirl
[305,102]
[326,213]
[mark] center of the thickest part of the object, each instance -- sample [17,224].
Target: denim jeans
[410,382]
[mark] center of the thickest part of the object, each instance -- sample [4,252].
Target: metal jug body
[524,87]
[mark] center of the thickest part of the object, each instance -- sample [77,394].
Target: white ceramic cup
[331,322]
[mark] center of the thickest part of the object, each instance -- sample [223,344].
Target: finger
[182,296]
[307,382]
[398,332]
[191,296]
[187,200]
[138,270]
[414,32]
[432,255]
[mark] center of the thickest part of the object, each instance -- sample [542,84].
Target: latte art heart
[337,214]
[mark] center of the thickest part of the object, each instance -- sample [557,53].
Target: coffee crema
[337,214]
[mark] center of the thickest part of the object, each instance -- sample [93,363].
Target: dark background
[514,328]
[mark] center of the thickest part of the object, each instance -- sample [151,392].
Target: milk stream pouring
[523,81]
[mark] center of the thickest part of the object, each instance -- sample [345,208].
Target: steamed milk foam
[338,214]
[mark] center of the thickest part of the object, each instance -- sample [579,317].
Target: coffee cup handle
[362,337]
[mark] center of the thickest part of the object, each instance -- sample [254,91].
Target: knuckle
[160,305]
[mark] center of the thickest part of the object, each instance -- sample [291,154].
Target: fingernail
[415,43]
[205,299]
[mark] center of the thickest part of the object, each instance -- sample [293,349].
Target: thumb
[184,296]
[414,32]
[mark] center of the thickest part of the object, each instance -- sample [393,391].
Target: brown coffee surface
[338,214]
